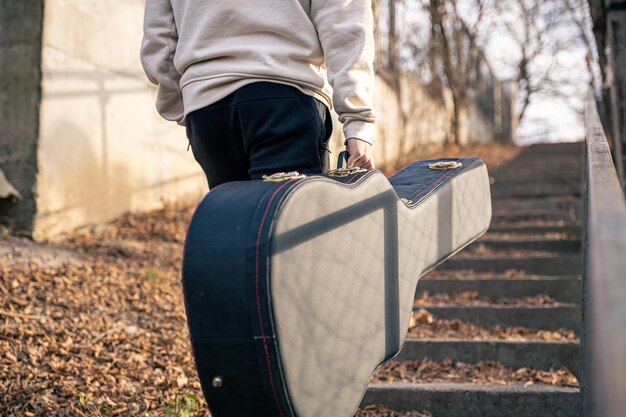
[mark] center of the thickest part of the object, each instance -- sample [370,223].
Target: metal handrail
[603,339]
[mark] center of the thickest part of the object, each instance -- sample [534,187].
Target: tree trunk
[393,37]
[456,121]
[376,12]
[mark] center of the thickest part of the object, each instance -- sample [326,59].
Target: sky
[547,119]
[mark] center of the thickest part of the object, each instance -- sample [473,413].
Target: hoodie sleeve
[345,30]
[158,47]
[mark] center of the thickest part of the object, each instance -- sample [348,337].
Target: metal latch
[282,176]
[443,165]
[344,172]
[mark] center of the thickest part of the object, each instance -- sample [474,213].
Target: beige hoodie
[199,51]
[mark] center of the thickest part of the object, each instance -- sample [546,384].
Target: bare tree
[534,44]
[454,54]
[539,31]
[392,37]
[376,11]
[580,15]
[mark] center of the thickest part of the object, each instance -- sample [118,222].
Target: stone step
[476,400]
[533,223]
[512,208]
[545,187]
[550,177]
[566,316]
[534,207]
[565,172]
[521,205]
[549,245]
[531,191]
[548,265]
[556,202]
[515,229]
[571,177]
[561,288]
[524,226]
[552,216]
[532,248]
[523,170]
[512,354]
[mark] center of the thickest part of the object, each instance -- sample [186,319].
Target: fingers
[360,161]
[360,154]
[354,158]
[368,165]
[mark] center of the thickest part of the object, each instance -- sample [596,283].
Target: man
[253,80]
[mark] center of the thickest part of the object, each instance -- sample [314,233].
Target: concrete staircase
[533,248]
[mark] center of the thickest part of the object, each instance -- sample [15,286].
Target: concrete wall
[407,121]
[97,148]
[411,118]
[20,76]
[103,149]
[478,128]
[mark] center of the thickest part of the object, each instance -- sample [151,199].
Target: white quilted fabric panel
[328,291]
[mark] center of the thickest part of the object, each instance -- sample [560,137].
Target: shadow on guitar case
[297,288]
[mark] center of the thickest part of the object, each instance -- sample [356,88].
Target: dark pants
[262,128]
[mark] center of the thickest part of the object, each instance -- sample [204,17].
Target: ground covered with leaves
[93,324]
[485,372]
[384,411]
[424,325]
[494,155]
[100,329]
[473,299]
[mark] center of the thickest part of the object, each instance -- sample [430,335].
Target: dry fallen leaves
[103,336]
[424,325]
[494,155]
[101,330]
[472,298]
[384,411]
[482,372]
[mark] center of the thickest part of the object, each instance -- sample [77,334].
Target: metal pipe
[604,289]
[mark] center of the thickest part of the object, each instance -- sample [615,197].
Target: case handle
[342,171]
[343,159]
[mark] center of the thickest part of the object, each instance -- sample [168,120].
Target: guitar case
[297,288]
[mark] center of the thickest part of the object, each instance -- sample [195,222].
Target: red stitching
[432,184]
[350,180]
[217,186]
[258,297]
